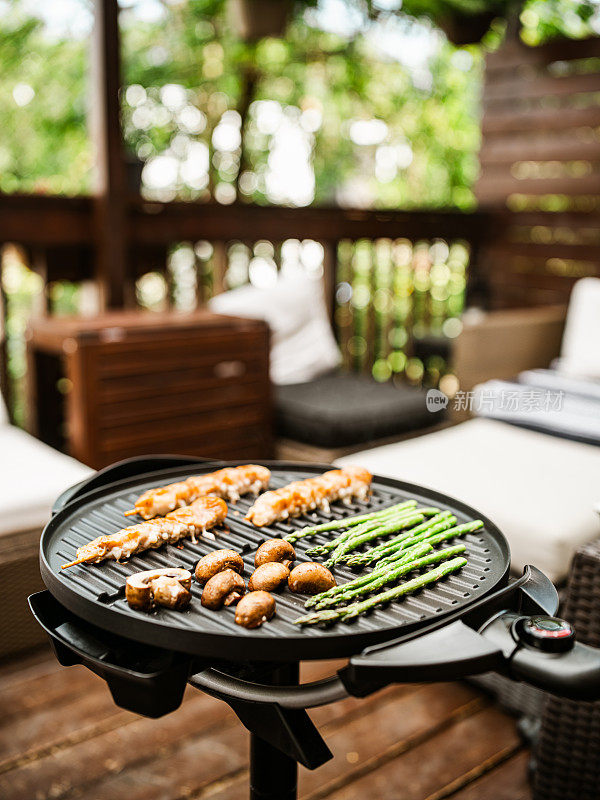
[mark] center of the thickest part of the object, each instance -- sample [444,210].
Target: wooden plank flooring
[62,737]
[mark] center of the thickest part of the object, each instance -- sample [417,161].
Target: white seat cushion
[32,475]
[540,490]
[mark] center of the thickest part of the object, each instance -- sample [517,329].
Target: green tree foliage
[426,157]
[431,125]
[44,145]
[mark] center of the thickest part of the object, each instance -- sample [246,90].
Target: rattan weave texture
[568,751]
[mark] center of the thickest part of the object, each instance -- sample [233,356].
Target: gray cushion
[342,409]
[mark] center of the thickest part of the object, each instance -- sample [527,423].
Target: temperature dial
[550,634]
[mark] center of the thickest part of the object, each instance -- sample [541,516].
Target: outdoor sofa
[32,475]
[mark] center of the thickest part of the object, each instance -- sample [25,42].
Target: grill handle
[306,695]
[519,638]
[575,674]
[121,470]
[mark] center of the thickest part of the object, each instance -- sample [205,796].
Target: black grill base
[273,774]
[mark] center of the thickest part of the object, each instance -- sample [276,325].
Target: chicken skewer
[197,518]
[229,483]
[300,496]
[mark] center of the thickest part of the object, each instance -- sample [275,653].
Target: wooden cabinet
[133,383]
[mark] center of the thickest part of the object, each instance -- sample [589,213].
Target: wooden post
[111,186]
[5,386]
[220,264]
[330,277]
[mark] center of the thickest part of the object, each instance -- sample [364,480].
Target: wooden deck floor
[61,736]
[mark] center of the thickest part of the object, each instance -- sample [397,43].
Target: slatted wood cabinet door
[138,383]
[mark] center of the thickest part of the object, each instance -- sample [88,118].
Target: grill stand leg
[274,774]
[281,737]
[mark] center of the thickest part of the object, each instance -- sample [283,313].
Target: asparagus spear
[437,523]
[410,555]
[384,527]
[451,533]
[390,576]
[408,535]
[336,524]
[402,542]
[353,611]
[353,542]
[322,550]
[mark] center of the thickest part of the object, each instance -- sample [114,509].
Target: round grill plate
[96,592]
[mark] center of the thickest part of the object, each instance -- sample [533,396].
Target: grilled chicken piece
[229,483]
[301,496]
[196,518]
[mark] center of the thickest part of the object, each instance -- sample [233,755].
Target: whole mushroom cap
[224,588]
[254,609]
[216,562]
[269,577]
[275,550]
[310,578]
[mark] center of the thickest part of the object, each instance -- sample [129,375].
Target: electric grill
[471,622]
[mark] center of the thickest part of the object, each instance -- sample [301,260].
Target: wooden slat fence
[540,159]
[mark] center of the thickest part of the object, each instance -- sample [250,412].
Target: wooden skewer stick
[74,563]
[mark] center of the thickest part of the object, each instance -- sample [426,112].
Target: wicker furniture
[567,758]
[138,382]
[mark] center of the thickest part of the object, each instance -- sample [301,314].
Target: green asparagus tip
[316,551]
[317,617]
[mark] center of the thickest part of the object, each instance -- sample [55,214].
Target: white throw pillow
[580,353]
[302,343]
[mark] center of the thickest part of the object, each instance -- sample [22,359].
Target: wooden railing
[390,277]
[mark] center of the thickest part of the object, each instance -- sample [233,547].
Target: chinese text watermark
[522,401]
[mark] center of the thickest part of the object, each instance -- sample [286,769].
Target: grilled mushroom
[275,550]
[218,561]
[163,587]
[310,578]
[269,577]
[224,588]
[254,609]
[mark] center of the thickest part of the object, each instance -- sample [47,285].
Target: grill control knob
[550,634]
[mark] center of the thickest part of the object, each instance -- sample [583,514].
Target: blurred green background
[361,105]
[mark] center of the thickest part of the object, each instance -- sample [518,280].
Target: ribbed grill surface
[96,592]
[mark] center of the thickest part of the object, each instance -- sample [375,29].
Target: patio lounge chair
[32,475]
